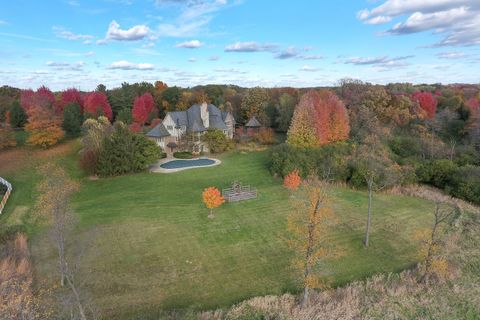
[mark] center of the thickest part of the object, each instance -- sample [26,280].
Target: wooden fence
[238,193]
[7,194]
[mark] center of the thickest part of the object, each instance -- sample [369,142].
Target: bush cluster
[183,155]
[217,141]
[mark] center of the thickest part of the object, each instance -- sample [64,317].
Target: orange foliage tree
[320,118]
[292,180]
[212,198]
[43,127]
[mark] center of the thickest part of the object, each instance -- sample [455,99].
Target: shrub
[125,152]
[438,172]
[406,146]
[265,136]
[183,155]
[329,161]
[217,141]
[465,183]
[7,138]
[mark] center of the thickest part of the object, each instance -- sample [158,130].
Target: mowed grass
[148,245]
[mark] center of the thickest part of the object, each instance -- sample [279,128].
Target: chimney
[204,115]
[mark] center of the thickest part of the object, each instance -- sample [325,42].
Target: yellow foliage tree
[430,249]
[309,226]
[44,127]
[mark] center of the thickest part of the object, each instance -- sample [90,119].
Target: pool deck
[157,169]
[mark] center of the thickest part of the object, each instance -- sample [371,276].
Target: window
[169,128]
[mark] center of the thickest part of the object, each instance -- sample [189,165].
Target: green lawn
[147,242]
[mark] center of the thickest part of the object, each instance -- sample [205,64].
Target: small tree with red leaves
[69,96]
[96,105]
[292,180]
[427,102]
[139,111]
[212,198]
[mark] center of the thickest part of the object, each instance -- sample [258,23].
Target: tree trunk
[211,215]
[81,311]
[369,219]
[307,271]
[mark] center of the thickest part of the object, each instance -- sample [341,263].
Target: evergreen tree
[18,116]
[72,119]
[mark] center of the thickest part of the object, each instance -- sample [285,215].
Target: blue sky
[299,43]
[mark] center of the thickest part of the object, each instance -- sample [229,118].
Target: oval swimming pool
[176,164]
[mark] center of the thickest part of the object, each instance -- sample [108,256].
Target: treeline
[380,136]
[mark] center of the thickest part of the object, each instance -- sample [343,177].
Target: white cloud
[192,60]
[250,47]
[148,45]
[290,52]
[76,66]
[193,19]
[451,55]
[214,58]
[125,65]
[308,68]
[457,20]
[89,53]
[63,33]
[135,33]
[192,44]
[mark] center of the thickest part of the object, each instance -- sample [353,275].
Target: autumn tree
[254,103]
[18,116]
[43,127]
[292,180]
[320,118]
[212,198]
[431,241]
[96,105]
[374,167]
[70,96]
[302,132]
[427,102]
[309,226]
[139,111]
[55,191]
[43,98]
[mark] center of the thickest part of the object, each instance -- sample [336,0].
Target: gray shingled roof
[158,131]
[253,123]
[192,119]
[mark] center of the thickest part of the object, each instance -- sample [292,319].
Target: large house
[196,120]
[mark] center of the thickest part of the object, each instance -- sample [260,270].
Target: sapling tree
[309,226]
[212,198]
[373,164]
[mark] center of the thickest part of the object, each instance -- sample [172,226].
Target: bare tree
[55,192]
[443,213]
[373,164]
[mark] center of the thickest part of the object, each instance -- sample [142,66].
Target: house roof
[253,123]
[158,131]
[192,119]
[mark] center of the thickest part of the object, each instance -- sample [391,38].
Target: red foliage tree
[149,102]
[43,98]
[69,96]
[427,102]
[331,118]
[139,111]
[27,99]
[473,104]
[292,180]
[96,104]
